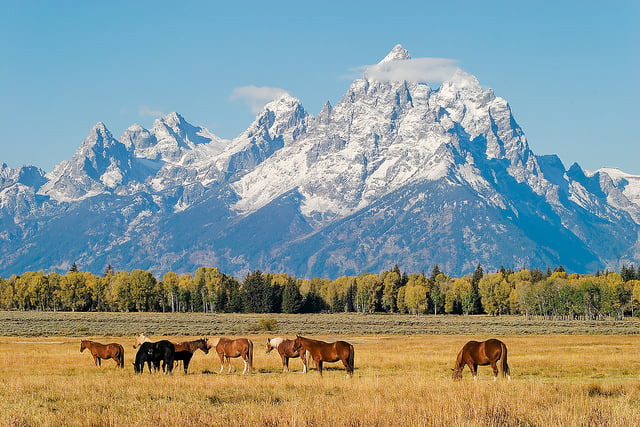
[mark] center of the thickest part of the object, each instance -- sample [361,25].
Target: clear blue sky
[569,69]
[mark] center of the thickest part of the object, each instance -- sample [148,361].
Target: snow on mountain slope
[396,172]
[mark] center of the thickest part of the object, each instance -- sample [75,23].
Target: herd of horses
[165,354]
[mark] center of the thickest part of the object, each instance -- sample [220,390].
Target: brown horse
[185,350]
[285,349]
[475,354]
[227,349]
[322,351]
[104,351]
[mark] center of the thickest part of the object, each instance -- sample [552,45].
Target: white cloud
[147,111]
[419,70]
[257,97]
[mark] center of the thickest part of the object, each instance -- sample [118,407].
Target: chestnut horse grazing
[322,351]
[475,354]
[184,351]
[286,351]
[104,351]
[227,349]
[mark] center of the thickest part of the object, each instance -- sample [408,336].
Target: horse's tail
[250,355]
[505,365]
[350,358]
[121,356]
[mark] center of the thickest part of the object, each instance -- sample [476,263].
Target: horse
[227,349]
[184,351]
[155,352]
[475,354]
[104,351]
[140,339]
[322,351]
[285,349]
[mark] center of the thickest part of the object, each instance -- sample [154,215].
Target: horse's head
[203,344]
[210,343]
[139,340]
[297,343]
[456,374]
[83,345]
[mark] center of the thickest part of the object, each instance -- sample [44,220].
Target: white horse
[286,351]
[140,339]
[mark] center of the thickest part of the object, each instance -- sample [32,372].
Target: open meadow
[401,378]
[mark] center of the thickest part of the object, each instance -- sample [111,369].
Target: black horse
[155,352]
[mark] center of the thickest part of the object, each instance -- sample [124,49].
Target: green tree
[291,297]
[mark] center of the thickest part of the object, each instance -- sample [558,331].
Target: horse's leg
[221,356]
[303,356]
[285,363]
[474,370]
[494,366]
[346,366]
[246,364]
[319,366]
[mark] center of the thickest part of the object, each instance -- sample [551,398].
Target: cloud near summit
[256,97]
[419,70]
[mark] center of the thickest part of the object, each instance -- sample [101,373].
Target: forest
[553,294]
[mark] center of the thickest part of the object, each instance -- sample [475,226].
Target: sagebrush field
[400,378]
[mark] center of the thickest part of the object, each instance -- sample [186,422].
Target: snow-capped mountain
[395,172]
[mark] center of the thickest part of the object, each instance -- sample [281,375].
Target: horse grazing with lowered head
[104,351]
[475,354]
[227,348]
[322,351]
[184,351]
[286,351]
[154,353]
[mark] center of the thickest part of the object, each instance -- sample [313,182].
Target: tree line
[553,293]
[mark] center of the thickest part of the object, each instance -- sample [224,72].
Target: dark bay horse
[155,352]
[286,351]
[184,351]
[227,348]
[104,351]
[322,351]
[475,354]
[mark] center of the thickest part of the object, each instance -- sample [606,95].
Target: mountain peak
[172,119]
[398,53]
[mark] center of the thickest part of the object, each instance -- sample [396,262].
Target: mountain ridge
[395,172]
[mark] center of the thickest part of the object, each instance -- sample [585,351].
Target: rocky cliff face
[395,172]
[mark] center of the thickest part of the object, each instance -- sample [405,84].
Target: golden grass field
[399,380]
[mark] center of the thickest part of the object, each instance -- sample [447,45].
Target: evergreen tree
[434,274]
[536,275]
[291,297]
[74,268]
[627,273]
[478,274]
[253,293]
[108,271]
[350,298]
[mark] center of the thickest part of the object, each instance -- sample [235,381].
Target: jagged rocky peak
[98,135]
[398,53]
[137,138]
[284,116]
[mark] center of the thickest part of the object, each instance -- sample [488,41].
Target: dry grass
[399,380]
